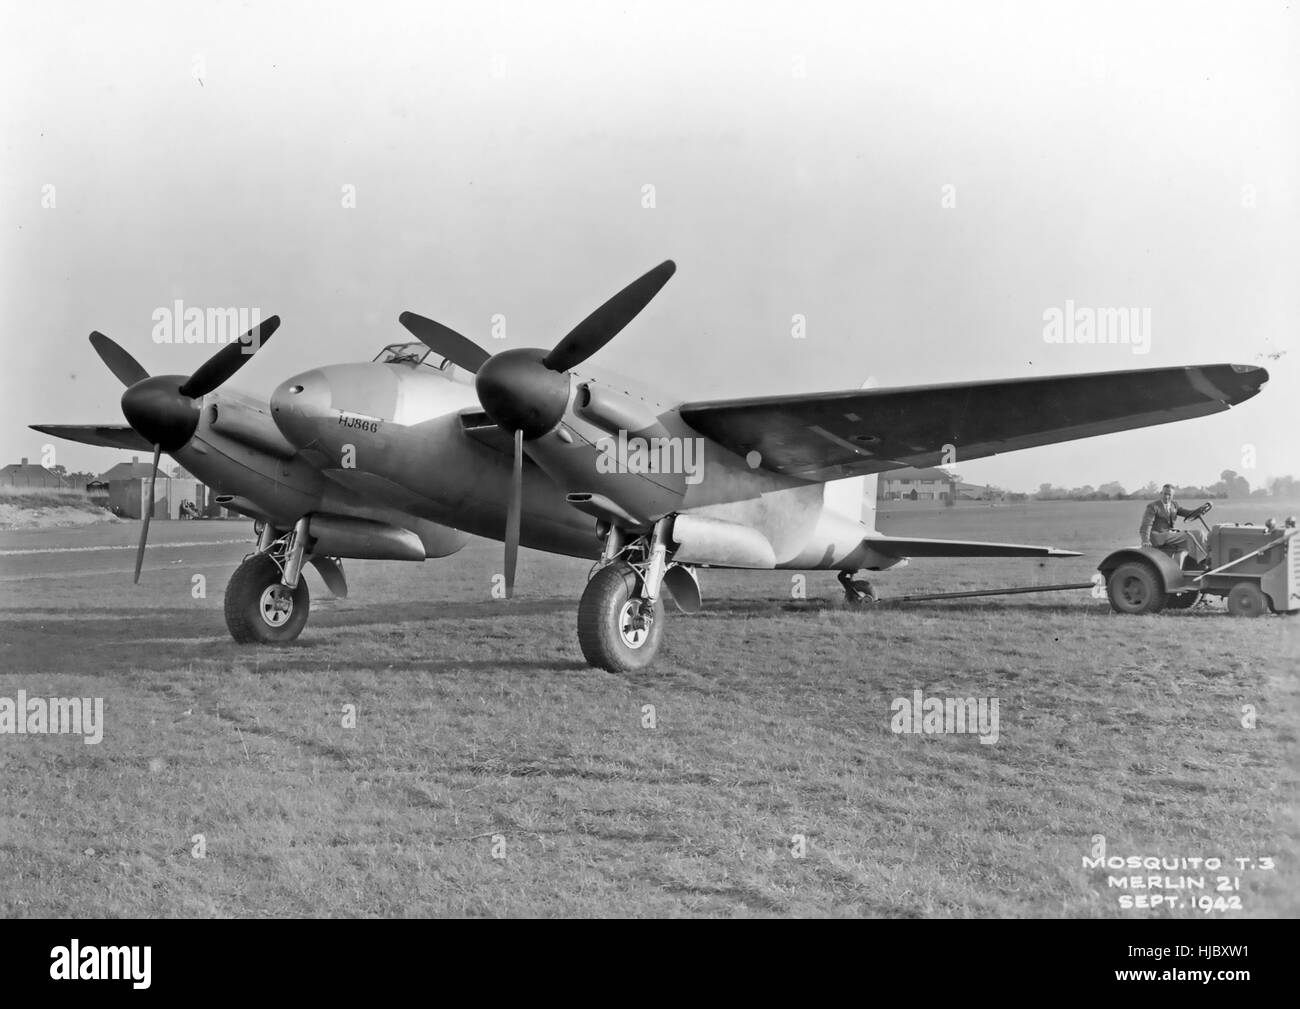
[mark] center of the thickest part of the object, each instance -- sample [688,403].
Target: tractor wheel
[616,631]
[1245,600]
[1134,587]
[259,610]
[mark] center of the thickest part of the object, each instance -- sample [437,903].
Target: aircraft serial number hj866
[401,457]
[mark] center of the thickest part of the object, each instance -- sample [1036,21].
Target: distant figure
[1158,526]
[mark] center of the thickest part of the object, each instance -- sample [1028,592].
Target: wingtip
[1247,380]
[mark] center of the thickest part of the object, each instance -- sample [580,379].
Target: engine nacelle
[340,536]
[702,540]
[250,427]
[615,412]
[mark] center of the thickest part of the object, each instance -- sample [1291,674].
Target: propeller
[459,350]
[162,409]
[148,514]
[526,391]
[514,514]
[120,363]
[229,359]
[608,321]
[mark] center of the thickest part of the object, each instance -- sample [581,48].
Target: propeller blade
[148,514]
[607,322]
[514,514]
[120,363]
[459,350]
[229,359]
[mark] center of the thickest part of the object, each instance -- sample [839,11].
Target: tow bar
[1016,590]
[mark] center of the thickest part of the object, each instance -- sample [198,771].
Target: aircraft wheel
[616,630]
[1245,600]
[860,592]
[1134,587]
[259,610]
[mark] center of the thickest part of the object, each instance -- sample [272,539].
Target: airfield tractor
[1255,567]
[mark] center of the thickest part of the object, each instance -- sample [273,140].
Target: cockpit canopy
[415,354]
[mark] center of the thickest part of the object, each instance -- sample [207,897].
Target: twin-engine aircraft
[402,457]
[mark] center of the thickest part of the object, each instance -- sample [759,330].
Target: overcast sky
[1116,155]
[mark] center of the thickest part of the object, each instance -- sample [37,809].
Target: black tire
[604,634]
[1245,600]
[1134,588]
[253,580]
[1182,600]
[864,593]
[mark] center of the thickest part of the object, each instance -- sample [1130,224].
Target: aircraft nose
[298,404]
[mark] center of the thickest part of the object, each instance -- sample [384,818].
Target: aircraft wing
[906,546]
[823,436]
[107,435]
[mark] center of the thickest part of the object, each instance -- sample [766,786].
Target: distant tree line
[77,479]
[1229,485]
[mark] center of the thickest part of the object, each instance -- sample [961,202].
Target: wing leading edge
[824,436]
[106,435]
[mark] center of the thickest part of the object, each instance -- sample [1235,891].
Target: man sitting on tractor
[1158,527]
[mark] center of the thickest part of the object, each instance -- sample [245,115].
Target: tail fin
[853,497]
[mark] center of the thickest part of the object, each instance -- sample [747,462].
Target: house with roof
[913,484]
[28,474]
[128,490]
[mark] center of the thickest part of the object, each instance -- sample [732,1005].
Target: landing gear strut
[267,601]
[621,613]
[857,592]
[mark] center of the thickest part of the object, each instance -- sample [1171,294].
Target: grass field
[481,733]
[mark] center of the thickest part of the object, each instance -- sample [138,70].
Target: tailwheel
[618,629]
[857,591]
[262,610]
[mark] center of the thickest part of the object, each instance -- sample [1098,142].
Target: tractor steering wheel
[1200,513]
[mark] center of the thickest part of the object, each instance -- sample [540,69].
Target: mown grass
[477,721]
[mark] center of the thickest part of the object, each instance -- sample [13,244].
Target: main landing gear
[621,613]
[267,600]
[857,592]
